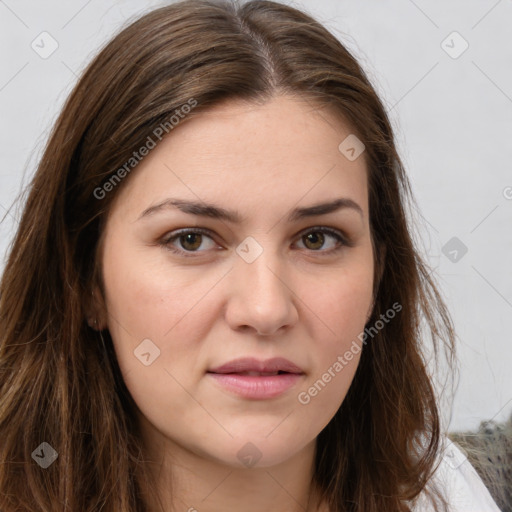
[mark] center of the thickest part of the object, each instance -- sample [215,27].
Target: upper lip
[251,364]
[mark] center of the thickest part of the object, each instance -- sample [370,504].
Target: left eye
[191,240]
[317,236]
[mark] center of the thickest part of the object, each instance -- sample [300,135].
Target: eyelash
[166,241]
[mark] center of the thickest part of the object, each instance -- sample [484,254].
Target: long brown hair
[59,379]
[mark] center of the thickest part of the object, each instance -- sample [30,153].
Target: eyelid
[339,235]
[336,232]
[168,238]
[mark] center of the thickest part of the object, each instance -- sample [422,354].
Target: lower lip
[257,387]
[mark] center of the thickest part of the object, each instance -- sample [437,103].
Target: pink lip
[258,387]
[251,364]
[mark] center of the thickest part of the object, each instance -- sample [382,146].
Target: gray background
[453,120]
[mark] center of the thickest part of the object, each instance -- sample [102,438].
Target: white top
[461,485]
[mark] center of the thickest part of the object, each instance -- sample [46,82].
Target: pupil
[319,239]
[189,237]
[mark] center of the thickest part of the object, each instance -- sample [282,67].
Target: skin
[295,300]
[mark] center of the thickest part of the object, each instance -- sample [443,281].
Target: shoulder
[459,483]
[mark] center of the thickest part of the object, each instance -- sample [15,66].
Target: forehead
[286,127]
[282,153]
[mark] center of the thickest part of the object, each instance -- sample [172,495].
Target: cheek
[145,295]
[156,319]
[343,306]
[148,299]
[342,313]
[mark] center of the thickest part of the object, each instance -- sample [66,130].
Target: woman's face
[267,284]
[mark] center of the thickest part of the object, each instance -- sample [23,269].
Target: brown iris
[190,238]
[316,238]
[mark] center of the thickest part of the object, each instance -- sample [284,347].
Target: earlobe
[92,322]
[95,311]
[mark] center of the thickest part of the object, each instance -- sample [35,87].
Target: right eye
[190,240]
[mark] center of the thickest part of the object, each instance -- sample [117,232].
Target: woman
[213,299]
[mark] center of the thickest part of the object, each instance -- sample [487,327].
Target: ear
[95,309]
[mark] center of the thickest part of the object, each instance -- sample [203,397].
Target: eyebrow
[203,209]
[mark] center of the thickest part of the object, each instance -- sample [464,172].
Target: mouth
[254,374]
[256,367]
[258,380]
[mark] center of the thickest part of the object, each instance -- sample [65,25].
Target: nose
[262,298]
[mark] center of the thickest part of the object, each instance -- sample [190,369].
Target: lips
[251,379]
[250,366]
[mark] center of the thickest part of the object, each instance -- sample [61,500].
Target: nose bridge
[258,268]
[261,296]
